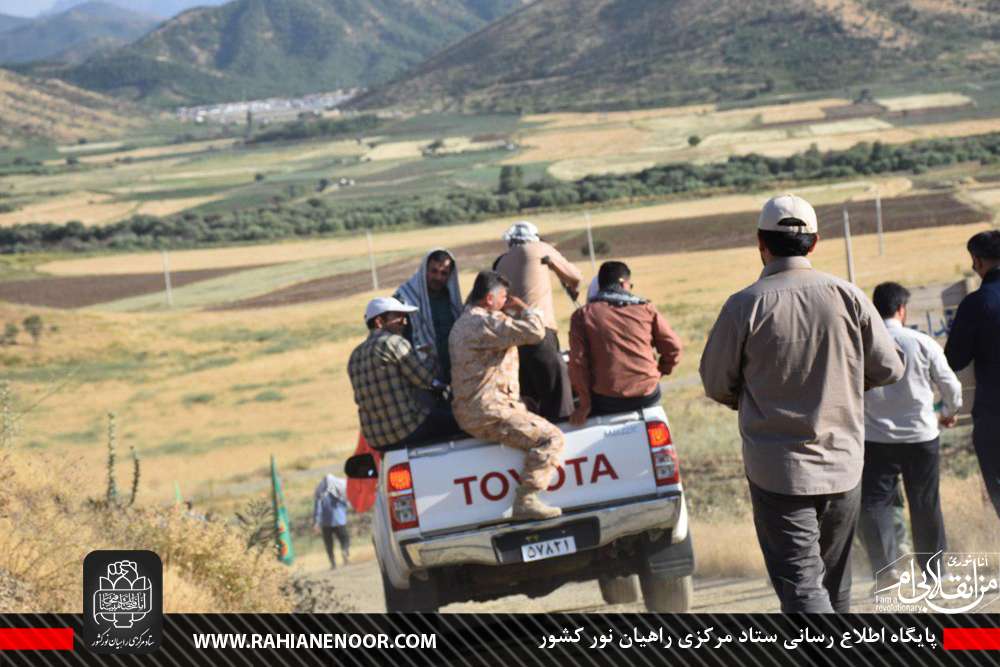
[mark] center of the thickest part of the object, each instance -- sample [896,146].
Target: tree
[34,326]
[694,140]
[511,179]
[435,146]
[10,334]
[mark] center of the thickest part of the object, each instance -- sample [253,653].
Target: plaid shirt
[386,375]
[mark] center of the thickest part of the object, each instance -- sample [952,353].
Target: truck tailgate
[471,483]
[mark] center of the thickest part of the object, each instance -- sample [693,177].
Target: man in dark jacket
[975,337]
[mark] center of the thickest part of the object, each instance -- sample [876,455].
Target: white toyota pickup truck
[443,532]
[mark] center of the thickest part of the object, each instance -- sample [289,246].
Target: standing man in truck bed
[487,398]
[527,265]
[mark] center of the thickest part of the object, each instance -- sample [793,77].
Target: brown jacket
[794,353]
[612,350]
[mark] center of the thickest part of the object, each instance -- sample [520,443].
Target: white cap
[387,304]
[521,232]
[788,207]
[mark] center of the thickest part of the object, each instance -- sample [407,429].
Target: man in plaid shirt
[392,385]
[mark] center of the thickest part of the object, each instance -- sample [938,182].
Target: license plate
[548,549]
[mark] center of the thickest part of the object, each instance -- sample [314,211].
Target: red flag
[361,492]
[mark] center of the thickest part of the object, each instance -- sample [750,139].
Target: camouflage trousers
[537,436]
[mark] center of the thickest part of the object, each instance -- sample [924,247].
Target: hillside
[53,110]
[260,48]
[74,34]
[620,53]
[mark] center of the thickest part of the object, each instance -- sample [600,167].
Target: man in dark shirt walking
[975,337]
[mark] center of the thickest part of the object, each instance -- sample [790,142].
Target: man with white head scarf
[544,378]
[434,290]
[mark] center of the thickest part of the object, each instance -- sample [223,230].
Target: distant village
[268,110]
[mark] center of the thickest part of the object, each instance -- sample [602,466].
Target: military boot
[528,506]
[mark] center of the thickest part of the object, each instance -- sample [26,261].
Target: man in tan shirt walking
[486,392]
[528,265]
[794,353]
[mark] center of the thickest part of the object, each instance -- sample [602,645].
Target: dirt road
[357,588]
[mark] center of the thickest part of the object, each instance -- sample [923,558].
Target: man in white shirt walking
[902,435]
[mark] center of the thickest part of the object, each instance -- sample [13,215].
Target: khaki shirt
[794,353]
[484,363]
[530,280]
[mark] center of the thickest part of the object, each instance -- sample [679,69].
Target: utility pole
[847,244]
[371,259]
[590,244]
[878,223]
[166,280]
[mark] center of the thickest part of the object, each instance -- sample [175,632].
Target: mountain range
[260,48]
[620,53]
[71,35]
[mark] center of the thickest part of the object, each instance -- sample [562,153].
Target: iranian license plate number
[548,549]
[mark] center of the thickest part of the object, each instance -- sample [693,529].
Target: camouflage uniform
[487,403]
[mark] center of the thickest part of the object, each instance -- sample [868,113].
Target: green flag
[283,532]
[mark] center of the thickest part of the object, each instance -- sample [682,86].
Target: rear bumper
[478,546]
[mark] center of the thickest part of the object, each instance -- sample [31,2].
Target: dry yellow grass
[47,526]
[566,120]
[915,102]
[786,113]
[90,208]
[171,206]
[582,148]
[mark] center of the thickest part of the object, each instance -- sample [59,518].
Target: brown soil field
[83,291]
[390,276]
[734,230]
[711,232]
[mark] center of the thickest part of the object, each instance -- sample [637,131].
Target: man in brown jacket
[613,343]
[794,353]
[486,392]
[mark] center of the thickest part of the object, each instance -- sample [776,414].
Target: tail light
[666,468]
[402,501]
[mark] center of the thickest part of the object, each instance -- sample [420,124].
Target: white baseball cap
[788,213]
[387,304]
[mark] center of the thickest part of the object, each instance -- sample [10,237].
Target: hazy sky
[24,7]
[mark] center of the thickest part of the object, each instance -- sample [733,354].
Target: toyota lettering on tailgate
[494,486]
